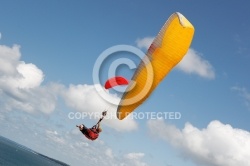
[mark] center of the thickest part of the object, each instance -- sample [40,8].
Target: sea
[14,154]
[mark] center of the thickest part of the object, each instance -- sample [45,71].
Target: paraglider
[93,132]
[166,51]
[114,81]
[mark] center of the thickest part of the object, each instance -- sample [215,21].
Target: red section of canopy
[115,81]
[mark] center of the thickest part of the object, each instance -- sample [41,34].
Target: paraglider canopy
[166,51]
[115,81]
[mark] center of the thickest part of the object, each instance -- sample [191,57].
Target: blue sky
[47,53]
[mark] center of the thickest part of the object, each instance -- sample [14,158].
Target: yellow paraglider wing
[166,51]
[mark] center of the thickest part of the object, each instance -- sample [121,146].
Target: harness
[92,134]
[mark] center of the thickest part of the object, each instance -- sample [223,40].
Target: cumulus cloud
[244,94]
[217,145]
[31,76]
[21,88]
[66,145]
[22,92]
[21,84]
[86,99]
[192,63]
[9,59]
[41,99]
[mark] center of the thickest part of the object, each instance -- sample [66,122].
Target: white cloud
[85,98]
[109,153]
[244,94]
[20,84]
[217,145]
[22,92]
[9,59]
[22,89]
[62,144]
[193,63]
[31,76]
[54,136]
[144,43]
[135,159]
[134,155]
